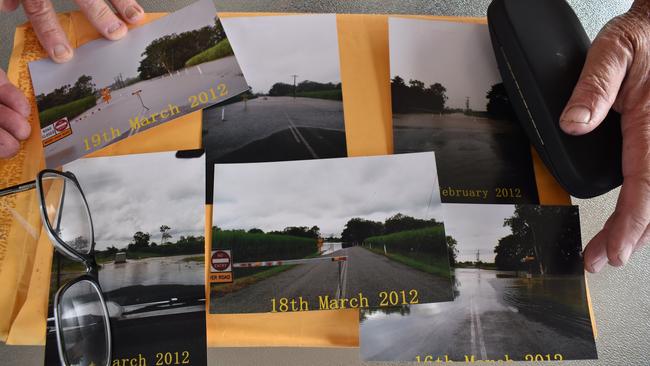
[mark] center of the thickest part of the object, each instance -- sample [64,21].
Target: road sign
[221,266]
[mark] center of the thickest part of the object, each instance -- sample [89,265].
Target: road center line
[302,138]
[479,331]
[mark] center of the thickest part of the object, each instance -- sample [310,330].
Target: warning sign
[56,131]
[221,266]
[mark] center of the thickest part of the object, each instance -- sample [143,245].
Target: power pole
[467,104]
[478,255]
[295,77]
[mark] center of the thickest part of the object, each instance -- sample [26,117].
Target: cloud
[476,228]
[457,55]
[326,193]
[140,193]
[271,49]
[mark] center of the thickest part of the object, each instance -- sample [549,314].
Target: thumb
[601,78]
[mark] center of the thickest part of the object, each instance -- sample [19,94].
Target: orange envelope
[26,254]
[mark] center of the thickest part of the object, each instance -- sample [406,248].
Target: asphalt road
[274,128]
[157,94]
[491,317]
[364,272]
[471,153]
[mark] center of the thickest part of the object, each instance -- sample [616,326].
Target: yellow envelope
[26,254]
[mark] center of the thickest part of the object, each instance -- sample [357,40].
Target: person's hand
[14,110]
[50,34]
[617,74]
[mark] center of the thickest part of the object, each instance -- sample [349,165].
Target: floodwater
[174,270]
[494,314]
[329,248]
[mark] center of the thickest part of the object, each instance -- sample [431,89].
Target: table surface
[621,297]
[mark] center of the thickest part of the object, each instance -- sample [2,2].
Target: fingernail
[577,114]
[115,27]
[624,255]
[62,52]
[598,265]
[133,13]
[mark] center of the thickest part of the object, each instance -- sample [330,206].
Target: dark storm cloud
[326,193]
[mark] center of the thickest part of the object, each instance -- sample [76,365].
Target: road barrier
[288,262]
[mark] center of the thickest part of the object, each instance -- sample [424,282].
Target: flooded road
[495,314]
[329,248]
[472,153]
[176,270]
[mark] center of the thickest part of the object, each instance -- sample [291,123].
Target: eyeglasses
[81,316]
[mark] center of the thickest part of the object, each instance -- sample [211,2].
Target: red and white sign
[221,261]
[56,131]
[61,125]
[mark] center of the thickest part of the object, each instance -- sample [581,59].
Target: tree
[548,234]
[81,244]
[400,222]
[140,241]
[357,230]
[164,230]
[170,52]
[452,250]
[498,105]
[256,231]
[415,97]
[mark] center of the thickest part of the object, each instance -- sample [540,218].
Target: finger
[632,214]
[645,239]
[48,30]
[102,18]
[8,145]
[595,254]
[9,5]
[601,78]
[130,10]
[14,123]
[12,97]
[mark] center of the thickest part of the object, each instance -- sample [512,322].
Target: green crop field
[423,249]
[335,94]
[70,110]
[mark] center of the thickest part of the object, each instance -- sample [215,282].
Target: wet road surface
[471,153]
[364,272]
[286,128]
[156,95]
[491,317]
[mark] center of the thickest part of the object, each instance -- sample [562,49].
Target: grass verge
[220,50]
[438,268]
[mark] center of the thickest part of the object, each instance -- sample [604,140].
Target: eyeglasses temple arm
[22,187]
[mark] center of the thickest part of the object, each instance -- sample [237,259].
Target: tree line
[142,243]
[283,89]
[82,88]
[544,239]
[170,53]
[416,97]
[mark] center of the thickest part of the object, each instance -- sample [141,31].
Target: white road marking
[302,138]
[479,332]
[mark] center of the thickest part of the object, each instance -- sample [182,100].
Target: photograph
[294,109]
[519,293]
[329,234]
[144,252]
[111,90]
[448,97]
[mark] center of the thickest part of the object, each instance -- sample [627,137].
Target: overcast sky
[457,55]
[476,227]
[140,193]
[270,49]
[326,192]
[104,60]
